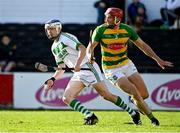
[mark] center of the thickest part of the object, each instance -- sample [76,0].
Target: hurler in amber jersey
[113,36]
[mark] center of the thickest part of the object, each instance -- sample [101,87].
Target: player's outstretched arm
[50,82]
[149,52]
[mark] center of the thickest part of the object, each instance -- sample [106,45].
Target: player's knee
[145,95]
[135,93]
[66,99]
[128,88]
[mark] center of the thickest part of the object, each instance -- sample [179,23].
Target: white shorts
[114,74]
[88,77]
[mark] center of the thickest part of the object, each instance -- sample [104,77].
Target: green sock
[124,106]
[76,105]
[150,116]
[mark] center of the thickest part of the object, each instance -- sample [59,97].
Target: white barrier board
[164,92]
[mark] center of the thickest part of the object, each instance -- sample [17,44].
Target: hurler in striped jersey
[113,36]
[67,50]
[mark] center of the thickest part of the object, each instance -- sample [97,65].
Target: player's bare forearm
[147,49]
[162,63]
[90,49]
[149,52]
[50,82]
[81,54]
[59,73]
[89,53]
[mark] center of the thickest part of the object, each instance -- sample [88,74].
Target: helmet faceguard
[52,24]
[116,13]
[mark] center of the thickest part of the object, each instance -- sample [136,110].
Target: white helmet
[52,23]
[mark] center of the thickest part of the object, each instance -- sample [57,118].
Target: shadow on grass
[170,125]
[129,123]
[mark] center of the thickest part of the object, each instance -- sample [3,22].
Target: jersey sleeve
[97,34]
[72,41]
[132,34]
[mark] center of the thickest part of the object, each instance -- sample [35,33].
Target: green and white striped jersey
[65,50]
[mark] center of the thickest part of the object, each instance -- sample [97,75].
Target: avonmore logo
[168,94]
[54,96]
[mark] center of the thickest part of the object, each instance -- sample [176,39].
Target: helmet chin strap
[55,38]
[116,22]
[112,26]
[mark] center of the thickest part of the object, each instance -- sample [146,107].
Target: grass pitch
[72,121]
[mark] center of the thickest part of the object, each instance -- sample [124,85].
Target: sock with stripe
[150,116]
[76,105]
[124,106]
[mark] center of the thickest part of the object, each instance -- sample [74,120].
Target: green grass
[71,121]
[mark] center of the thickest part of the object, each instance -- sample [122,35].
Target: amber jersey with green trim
[114,44]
